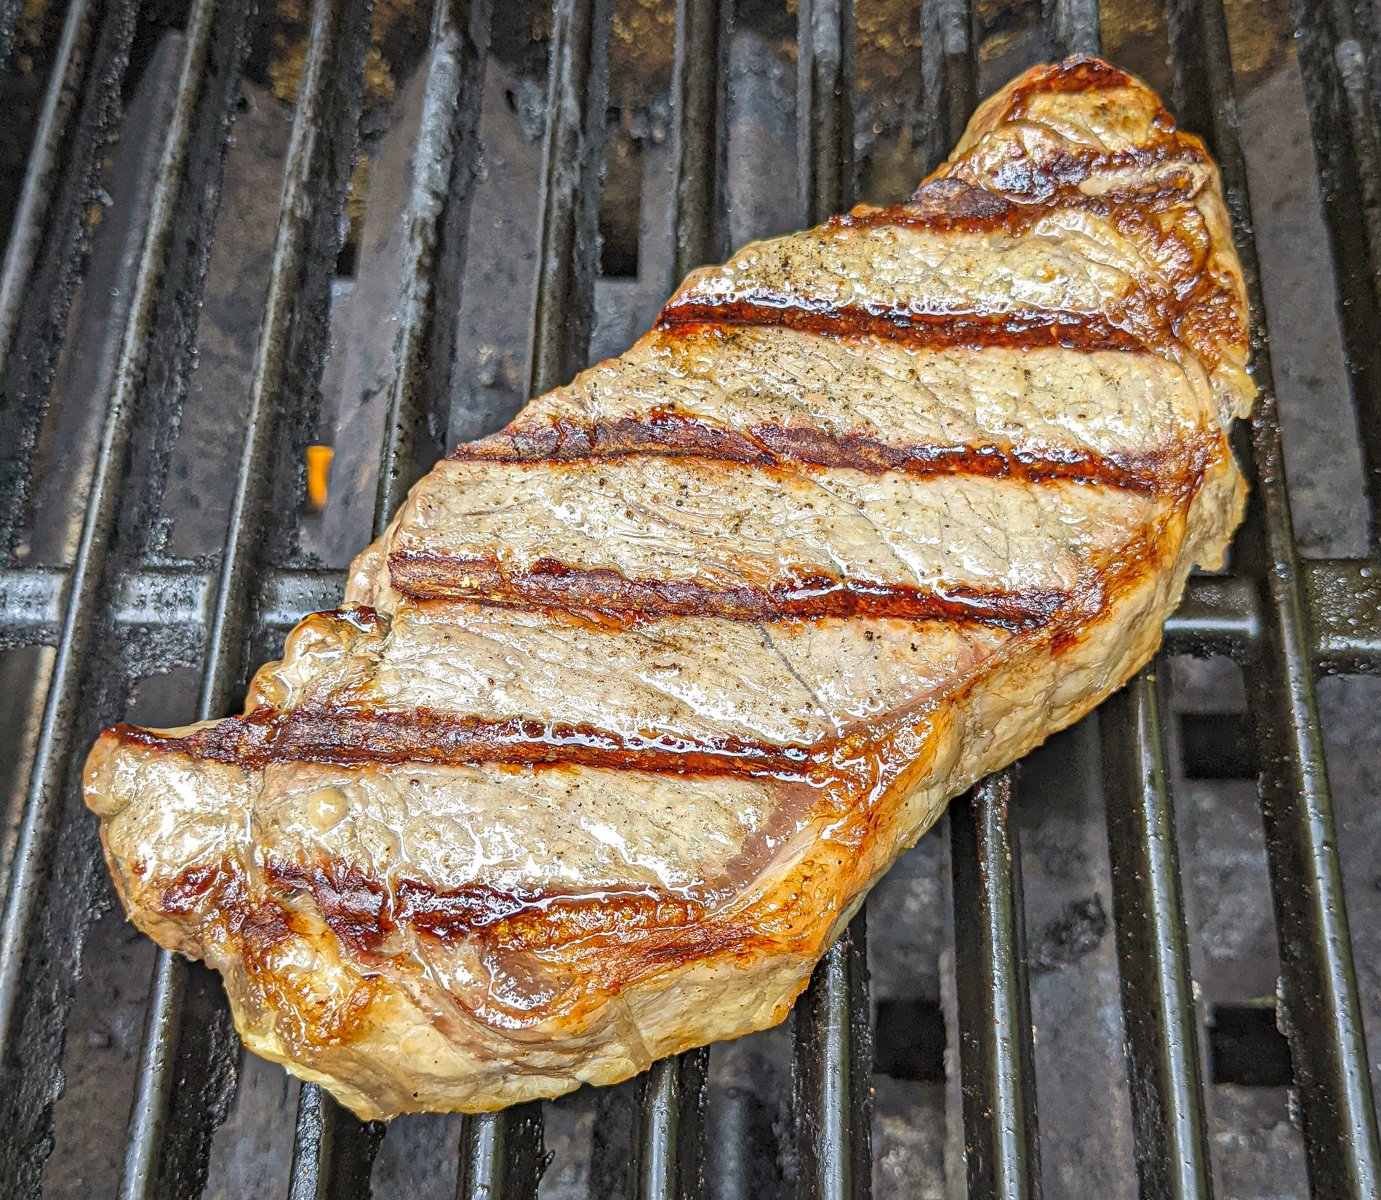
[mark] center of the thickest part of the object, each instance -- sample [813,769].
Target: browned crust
[549,583]
[1076,73]
[670,433]
[950,203]
[364,912]
[258,926]
[620,935]
[614,940]
[366,736]
[1013,330]
[592,934]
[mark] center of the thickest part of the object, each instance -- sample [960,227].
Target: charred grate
[1282,619]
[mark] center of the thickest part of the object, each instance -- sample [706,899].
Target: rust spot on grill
[547,583]
[672,434]
[1014,330]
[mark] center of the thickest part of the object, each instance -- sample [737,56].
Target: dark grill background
[199,281]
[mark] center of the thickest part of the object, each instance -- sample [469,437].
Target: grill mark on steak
[1015,330]
[1048,185]
[364,736]
[364,911]
[665,432]
[621,934]
[549,583]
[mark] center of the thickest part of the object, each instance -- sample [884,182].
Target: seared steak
[635,699]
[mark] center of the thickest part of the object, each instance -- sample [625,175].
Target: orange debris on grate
[318,475]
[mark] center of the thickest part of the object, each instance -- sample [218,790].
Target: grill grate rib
[1282,619]
[1164,1071]
[1001,1141]
[833,1061]
[1320,999]
[170,1139]
[1162,1043]
[997,1077]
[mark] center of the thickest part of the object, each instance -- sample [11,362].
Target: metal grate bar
[501,1152]
[1220,614]
[832,1065]
[1349,159]
[671,1098]
[170,1131]
[1319,986]
[333,1152]
[1001,1141]
[46,161]
[949,73]
[568,259]
[173,600]
[50,231]
[1001,1133]
[1345,616]
[444,162]
[824,106]
[832,1074]
[1161,1030]
[699,142]
[501,1155]
[669,1154]
[1073,26]
[1168,1116]
[35,977]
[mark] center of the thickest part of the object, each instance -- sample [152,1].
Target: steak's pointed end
[632,703]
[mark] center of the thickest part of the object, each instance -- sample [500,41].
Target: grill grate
[1281,619]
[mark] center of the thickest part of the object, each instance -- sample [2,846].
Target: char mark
[673,434]
[1038,187]
[1075,74]
[549,584]
[365,910]
[1015,330]
[355,737]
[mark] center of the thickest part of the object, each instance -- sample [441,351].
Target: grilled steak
[635,699]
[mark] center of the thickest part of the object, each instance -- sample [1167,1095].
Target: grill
[154,546]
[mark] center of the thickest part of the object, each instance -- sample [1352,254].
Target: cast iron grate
[1282,619]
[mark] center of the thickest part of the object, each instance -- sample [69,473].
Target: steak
[634,700]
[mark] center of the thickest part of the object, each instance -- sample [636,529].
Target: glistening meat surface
[635,699]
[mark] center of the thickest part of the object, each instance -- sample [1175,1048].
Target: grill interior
[236,232]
